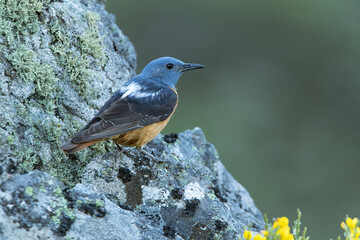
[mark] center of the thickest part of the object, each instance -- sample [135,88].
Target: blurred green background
[279,97]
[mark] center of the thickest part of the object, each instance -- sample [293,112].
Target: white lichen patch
[193,190]
[154,193]
[175,151]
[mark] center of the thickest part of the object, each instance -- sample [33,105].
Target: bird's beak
[191,66]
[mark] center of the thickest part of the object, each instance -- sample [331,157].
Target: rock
[58,65]
[37,206]
[130,196]
[59,62]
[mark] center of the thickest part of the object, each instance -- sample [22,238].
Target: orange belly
[141,136]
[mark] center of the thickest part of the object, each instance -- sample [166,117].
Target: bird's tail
[70,147]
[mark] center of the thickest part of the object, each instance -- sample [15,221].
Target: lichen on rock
[59,62]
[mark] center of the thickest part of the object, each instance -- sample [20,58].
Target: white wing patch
[134,90]
[130,89]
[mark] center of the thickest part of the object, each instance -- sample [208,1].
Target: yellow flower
[284,221]
[266,233]
[354,236]
[288,237]
[276,224]
[259,237]
[343,225]
[283,234]
[247,235]
[283,230]
[351,222]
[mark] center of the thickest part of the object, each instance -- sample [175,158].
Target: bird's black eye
[169,65]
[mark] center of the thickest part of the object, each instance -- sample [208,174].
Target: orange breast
[141,136]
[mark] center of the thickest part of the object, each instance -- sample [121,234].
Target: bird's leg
[139,148]
[145,152]
[123,150]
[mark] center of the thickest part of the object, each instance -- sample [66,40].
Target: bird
[138,111]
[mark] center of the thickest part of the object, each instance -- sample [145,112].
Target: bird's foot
[150,155]
[121,149]
[124,150]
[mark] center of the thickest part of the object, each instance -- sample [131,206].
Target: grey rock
[58,65]
[130,196]
[35,205]
[191,195]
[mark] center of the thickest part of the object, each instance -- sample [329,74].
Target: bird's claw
[150,155]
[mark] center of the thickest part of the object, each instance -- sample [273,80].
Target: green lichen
[174,157]
[55,219]
[45,82]
[76,54]
[212,195]
[77,64]
[24,62]
[60,206]
[58,192]
[29,191]
[53,132]
[99,203]
[19,18]
[29,155]
[10,139]
[65,169]
[42,189]
[91,42]
[103,147]
[28,159]
[218,236]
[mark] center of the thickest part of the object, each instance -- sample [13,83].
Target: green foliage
[297,230]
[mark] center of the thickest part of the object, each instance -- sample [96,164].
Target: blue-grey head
[168,70]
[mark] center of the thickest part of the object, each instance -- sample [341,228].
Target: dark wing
[121,115]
